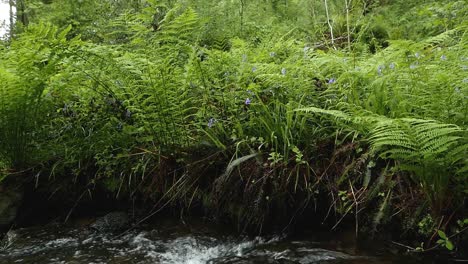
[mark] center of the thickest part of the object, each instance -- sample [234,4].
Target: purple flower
[417,55]
[380,69]
[254,69]
[392,66]
[443,57]
[211,122]
[332,80]
[272,54]
[283,71]
[247,101]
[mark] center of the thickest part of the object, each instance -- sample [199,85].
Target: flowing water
[176,243]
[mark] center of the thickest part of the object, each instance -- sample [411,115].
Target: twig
[356,211]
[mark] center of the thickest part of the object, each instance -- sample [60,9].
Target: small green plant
[444,240]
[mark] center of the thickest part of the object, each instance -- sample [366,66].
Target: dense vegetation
[255,111]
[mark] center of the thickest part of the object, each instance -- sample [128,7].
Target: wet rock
[113,221]
[10,200]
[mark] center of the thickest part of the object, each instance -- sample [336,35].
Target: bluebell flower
[128,114]
[254,69]
[417,55]
[306,48]
[244,58]
[211,122]
[272,54]
[443,57]
[247,101]
[412,66]
[283,71]
[380,69]
[392,66]
[332,80]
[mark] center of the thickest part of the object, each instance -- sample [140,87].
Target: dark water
[170,242]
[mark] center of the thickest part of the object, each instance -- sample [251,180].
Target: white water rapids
[176,244]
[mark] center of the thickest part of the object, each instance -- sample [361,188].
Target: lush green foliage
[260,111]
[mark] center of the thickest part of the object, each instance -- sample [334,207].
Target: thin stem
[348,2]
[329,24]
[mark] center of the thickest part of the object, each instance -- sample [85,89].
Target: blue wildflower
[306,48]
[392,66]
[412,66]
[244,58]
[254,69]
[443,57]
[211,122]
[250,92]
[283,71]
[332,80]
[417,55]
[247,101]
[272,54]
[380,69]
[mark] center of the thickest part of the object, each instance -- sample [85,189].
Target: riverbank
[280,116]
[82,206]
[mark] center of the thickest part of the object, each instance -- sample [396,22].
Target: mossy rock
[10,200]
[113,221]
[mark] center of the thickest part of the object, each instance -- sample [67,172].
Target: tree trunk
[21,13]
[12,18]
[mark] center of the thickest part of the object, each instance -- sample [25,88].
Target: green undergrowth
[257,125]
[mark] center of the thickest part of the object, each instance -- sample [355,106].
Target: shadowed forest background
[260,113]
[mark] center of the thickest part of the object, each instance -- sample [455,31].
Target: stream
[172,242]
